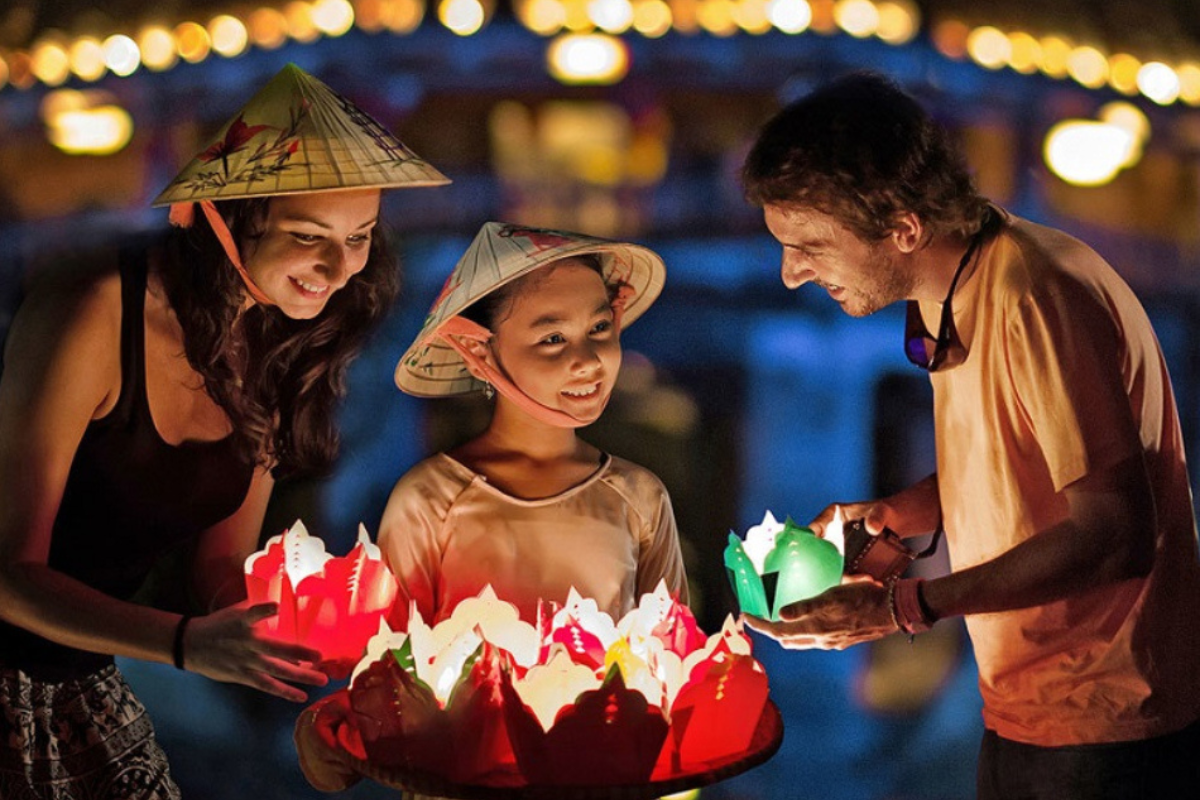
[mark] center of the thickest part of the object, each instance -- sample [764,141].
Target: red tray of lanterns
[485,705]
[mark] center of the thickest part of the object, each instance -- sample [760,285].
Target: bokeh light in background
[587,59]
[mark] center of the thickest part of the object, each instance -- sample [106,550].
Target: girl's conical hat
[500,254]
[298,135]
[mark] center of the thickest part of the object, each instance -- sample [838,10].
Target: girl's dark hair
[863,151]
[493,307]
[279,379]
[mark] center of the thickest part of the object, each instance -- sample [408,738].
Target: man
[1061,481]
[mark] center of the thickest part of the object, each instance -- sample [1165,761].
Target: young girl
[534,318]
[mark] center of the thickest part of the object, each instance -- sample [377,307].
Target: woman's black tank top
[129,498]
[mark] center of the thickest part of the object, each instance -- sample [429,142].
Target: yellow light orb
[1159,82]
[333,17]
[1088,67]
[587,59]
[229,35]
[300,25]
[1086,153]
[268,28]
[1127,117]
[158,48]
[989,47]
[716,17]
[1056,53]
[899,21]
[87,58]
[97,131]
[611,16]
[60,101]
[543,17]
[50,63]
[192,42]
[790,16]
[859,18]
[121,55]
[1189,83]
[1026,53]
[652,18]
[751,16]
[404,16]
[463,17]
[1123,72]
[3,71]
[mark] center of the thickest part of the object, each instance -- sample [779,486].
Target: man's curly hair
[864,152]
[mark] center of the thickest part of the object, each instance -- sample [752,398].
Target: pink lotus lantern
[330,604]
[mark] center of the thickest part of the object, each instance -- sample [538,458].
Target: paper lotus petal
[611,735]
[760,540]
[586,613]
[549,687]
[660,616]
[498,621]
[401,723]
[716,713]
[331,604]
[637,672]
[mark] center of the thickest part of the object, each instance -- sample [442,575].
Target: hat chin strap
[184,214]
[456,330]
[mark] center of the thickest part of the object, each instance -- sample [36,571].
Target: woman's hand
[226,647]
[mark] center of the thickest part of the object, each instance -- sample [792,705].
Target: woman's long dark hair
[279,379]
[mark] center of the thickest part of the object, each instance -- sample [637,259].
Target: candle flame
[834,531]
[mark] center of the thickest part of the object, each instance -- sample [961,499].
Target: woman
[151,406]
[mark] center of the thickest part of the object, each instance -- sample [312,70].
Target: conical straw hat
[298,135]
[501,253]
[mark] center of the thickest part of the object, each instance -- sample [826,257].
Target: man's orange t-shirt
[1065,377]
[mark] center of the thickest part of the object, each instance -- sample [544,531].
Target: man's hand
[849,614]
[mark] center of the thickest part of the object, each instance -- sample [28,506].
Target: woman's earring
[489,391]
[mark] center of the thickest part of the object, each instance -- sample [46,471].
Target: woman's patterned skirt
[84,739]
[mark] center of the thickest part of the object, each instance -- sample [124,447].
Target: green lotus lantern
[780,564]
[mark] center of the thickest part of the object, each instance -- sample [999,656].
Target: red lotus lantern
[716,713]
[331,604]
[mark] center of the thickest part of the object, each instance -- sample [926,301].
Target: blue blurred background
[742,396]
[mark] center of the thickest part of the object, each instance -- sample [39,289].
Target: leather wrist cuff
[907,609]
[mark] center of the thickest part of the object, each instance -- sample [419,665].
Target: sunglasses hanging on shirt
[945,350]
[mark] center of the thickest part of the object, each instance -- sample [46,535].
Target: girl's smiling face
[557,342]
[310,246]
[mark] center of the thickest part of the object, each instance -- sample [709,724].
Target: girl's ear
[481,351]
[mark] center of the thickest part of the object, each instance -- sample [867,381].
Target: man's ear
[908,232]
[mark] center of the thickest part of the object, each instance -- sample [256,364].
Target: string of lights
[54,58]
